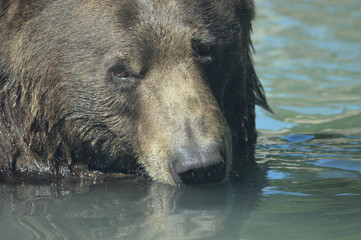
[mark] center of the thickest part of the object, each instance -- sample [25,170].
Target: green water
[309,60]
[308,186]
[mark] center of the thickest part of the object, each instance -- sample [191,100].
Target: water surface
[308,185]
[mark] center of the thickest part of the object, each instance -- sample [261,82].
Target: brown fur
[188,81]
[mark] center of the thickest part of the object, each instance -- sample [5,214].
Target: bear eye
[204,51]
[120,74]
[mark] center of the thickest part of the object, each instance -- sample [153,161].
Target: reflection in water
[308,58]
[307,186]
[124,209]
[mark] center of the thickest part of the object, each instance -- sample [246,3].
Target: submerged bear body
[165,88]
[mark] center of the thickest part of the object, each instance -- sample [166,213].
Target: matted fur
[187,78]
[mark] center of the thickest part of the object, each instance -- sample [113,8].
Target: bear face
[165,87]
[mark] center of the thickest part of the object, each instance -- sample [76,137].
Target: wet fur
[61,114]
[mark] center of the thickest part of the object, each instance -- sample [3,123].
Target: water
[309,182]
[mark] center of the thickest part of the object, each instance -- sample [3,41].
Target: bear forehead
[217,16]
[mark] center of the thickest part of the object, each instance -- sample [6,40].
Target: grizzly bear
[163,88]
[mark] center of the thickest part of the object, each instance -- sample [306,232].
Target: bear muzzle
[198,165]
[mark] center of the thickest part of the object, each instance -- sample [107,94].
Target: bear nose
[198,166]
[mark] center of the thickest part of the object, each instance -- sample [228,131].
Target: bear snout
[191,165]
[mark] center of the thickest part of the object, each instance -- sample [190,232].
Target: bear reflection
[125,209]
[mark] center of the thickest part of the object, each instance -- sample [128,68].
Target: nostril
[198,165]
[212,174]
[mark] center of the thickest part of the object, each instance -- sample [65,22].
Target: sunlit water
[309,182]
